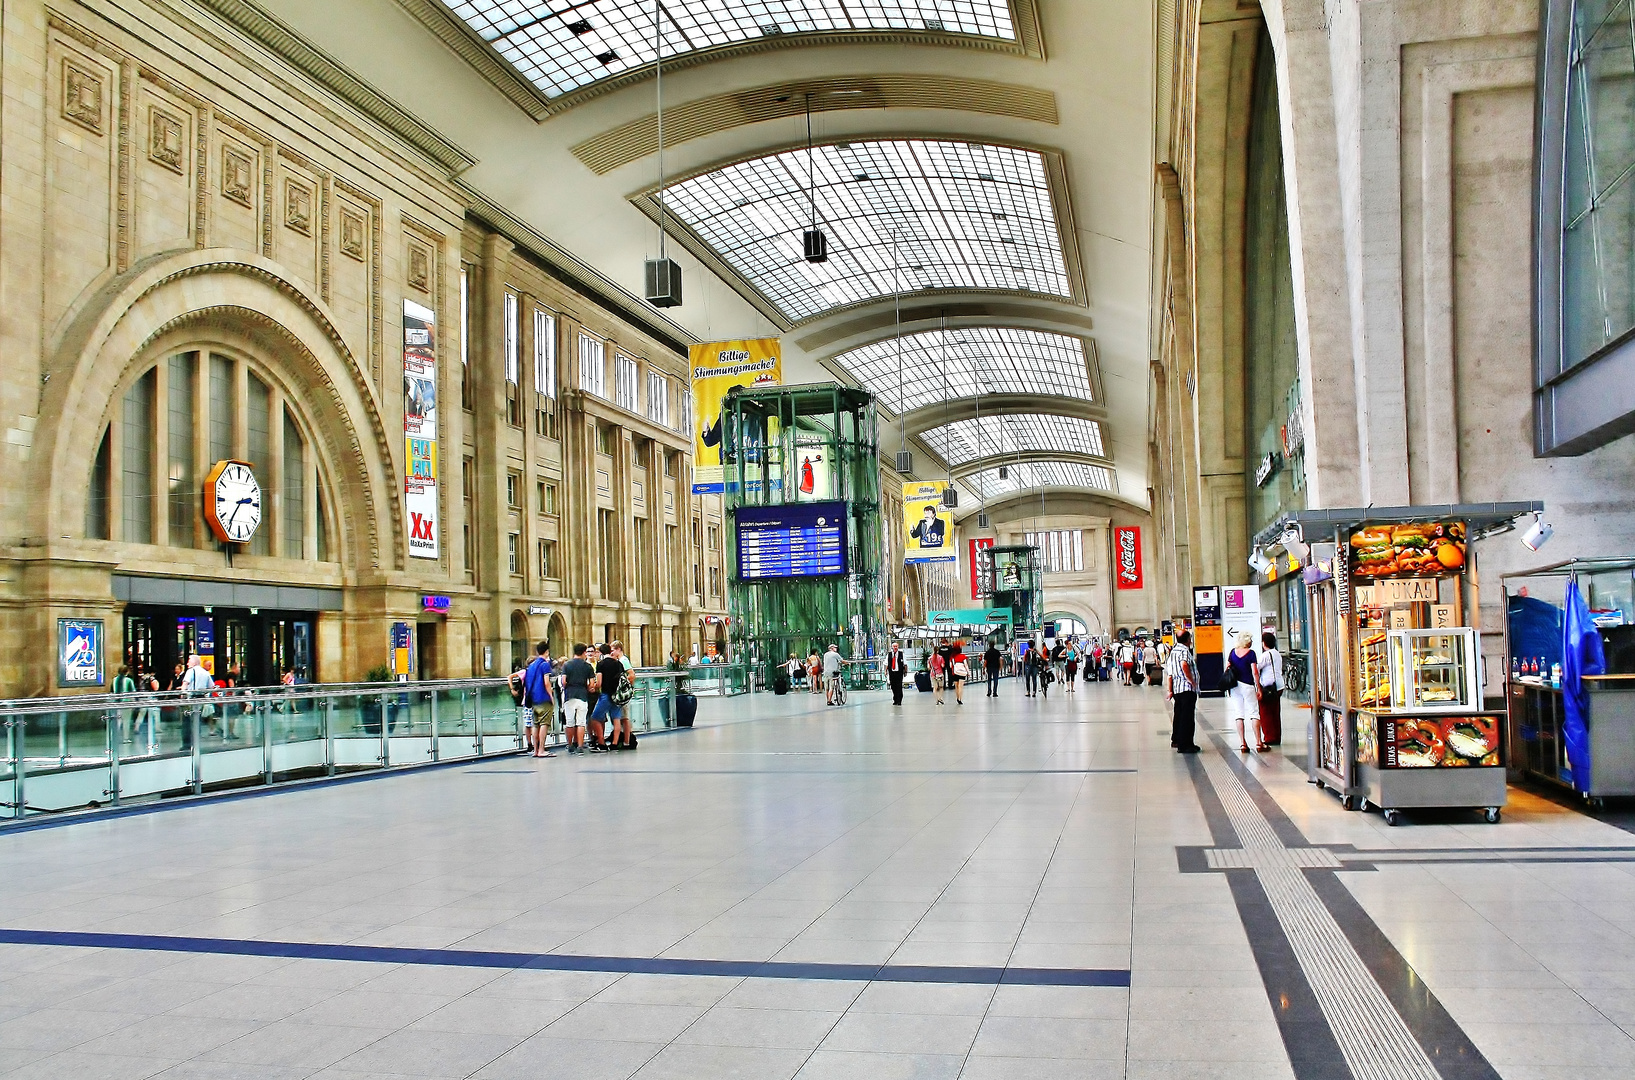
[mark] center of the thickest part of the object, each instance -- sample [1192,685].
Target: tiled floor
[927,885]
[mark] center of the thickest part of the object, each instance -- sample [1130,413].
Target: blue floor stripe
[624,965]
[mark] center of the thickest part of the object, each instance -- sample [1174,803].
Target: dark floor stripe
[751,969]
[1286,830]
[1220,823]
[1313,1051]
[1443,1040]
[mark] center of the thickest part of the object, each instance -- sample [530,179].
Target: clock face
[236,502]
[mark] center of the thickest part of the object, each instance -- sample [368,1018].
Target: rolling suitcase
[686,710]
[922,681]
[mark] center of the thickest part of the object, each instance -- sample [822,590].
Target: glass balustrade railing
[65,754]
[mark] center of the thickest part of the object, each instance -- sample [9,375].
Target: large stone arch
[197,297]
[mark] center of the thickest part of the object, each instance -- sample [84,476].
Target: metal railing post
[19,752]
[191,717]
[329,736]
[477,711]
[110,721]
[433,696]
[385,731]
[62,738]
[266,737]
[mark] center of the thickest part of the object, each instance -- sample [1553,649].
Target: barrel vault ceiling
[982,169]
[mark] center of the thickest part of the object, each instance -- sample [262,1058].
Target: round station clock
[232,501]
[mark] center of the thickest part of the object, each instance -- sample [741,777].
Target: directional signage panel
[806,540]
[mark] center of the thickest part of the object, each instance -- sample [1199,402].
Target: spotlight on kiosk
[1538,534]
[1258,562]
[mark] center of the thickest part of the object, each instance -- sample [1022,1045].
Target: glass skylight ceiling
[967,440]
[965,215]
[1036,474]
[561,45]
[985,360]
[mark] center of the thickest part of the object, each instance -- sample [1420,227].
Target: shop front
[263,633]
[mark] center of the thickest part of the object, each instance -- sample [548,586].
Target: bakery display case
[1433,671]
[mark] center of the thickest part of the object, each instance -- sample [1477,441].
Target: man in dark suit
[931,531]
[990,661]
[896,668]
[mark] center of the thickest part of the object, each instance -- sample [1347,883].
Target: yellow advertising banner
[928,527]
[717,367]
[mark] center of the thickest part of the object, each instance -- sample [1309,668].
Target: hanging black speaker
[905,461]
[663,283]
[950,496]
[982,520]
[817,246]
[1004,472]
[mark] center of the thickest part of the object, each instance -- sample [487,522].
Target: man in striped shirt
[1181,687]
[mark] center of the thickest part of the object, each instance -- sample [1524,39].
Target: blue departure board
[804,540]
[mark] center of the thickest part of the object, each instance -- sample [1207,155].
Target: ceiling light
[1258,562]
[771,29]
[1538,534]
[579,27]
[607,57]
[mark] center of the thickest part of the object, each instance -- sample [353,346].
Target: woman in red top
[958,670]
[935,663]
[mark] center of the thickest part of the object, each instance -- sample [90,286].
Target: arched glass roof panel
[973,438]
[562,45]
[900,214]
[1037,474]
[980,360]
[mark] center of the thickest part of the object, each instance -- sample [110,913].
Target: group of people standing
[588,694]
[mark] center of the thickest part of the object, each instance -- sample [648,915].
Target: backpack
[622,693]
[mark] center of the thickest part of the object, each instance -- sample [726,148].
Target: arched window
[173,422]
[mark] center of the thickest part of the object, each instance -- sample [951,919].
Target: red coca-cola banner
[981,564]
[1127,556]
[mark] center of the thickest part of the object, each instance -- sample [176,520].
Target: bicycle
[837,690]
[1294,675]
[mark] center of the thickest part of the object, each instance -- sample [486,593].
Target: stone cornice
[281,40]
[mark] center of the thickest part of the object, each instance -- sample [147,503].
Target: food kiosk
[1534,615]
[1399,721]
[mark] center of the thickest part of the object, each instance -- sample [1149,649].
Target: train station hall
[1043,539]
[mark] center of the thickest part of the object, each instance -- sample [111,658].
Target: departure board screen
[804,540]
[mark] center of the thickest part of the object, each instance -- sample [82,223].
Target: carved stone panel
[419,267]
[237,176]
[298,206]
[82,96]
[166,145]
[354,233]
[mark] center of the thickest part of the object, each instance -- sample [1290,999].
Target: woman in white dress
[1243,700]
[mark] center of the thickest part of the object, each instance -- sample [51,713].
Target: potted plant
[369,704]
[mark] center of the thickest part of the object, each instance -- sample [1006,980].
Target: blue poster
[79,652]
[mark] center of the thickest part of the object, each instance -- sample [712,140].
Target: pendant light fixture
[814,241]
[663,274]
[950,495]
[905,457]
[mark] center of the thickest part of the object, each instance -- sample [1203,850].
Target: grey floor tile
[421,1052]
[581,1059]
[683,1062]
[781,1029]
[852,1065]
[297,1045]
[1050,1037]
[72,1065]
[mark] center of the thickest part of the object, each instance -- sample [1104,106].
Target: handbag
[961,670]
[1229,679]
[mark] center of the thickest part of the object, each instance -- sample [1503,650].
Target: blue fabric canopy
[1581,655]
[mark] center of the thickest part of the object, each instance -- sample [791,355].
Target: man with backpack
[612,685]
[540,698]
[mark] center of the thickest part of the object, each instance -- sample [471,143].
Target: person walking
[196,681]
[1072,669]
[125,686]
[1126,661]
[1150,658]
[1030,673]
[990,660]
[1271,691]
[814,674]
[939,669]
[1181,689]
[896,671]
[1243,700]
[959,669]
[831,673]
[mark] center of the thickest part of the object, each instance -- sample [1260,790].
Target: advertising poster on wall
[79,652]
[1127,556]
[420,429]
[981,565]
[928,527]
[718,366]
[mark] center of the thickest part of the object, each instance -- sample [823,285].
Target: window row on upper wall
[562,45]
[177,419]
[530,346]
[901,215]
